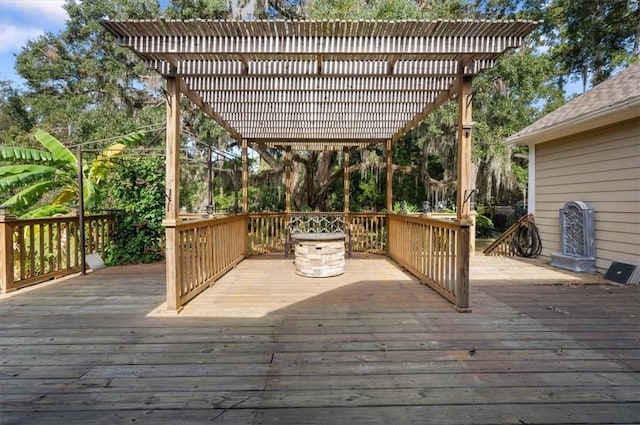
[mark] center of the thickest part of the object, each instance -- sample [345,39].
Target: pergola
[317,85]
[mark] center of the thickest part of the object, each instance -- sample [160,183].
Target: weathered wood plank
[106,399]
[144,416]
[455,414]
[372,346]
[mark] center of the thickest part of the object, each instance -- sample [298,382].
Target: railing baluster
[207,249]
[46,248]
[435,251]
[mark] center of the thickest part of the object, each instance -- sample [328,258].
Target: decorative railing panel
[435,251]
[206,250]
[320,222]
[37,250]
[267,231]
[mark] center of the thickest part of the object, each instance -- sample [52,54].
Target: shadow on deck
[264,346]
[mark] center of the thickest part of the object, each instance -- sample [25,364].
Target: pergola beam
[320,101]
[442,98]
[229,47]
[330,69]
[206,108]
[310,83]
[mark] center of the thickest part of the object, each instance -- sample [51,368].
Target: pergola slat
[190,47]
[241,66]
[293,84]
[307,73]
[272,97]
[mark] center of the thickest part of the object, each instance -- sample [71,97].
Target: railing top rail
[60,219]
[420,219]
[312,213]
[268,214]
[192,224]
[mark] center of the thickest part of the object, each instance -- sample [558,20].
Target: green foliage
[79,80]
[269,198]
[370,196]
[198,9]
[48,211]
[592,42]
[51,177]
[405,207]
[8,153]
[484,225]
[15,118]
[226,201]
[137,192]
[52,172]
[363,9]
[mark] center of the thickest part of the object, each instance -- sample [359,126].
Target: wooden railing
[368,232]
[267,231]
[205,250]
[36,250]
[505,245]
[435,251]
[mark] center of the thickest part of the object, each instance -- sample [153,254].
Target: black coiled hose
[526,239]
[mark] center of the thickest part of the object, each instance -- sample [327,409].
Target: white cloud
[48,11]
[22,20]
[12,38]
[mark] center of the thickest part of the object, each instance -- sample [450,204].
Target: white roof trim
[586,122]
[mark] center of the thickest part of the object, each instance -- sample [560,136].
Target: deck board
[372,346]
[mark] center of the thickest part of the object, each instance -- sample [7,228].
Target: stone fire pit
[319,254]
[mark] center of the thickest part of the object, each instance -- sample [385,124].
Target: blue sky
[21,20]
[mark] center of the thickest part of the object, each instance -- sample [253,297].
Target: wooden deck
[265,346]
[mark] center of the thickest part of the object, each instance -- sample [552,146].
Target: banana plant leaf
[58,150]
[30,195]
[13,176]
[10,153]
[47,211]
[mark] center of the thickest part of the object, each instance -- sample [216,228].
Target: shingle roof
[614,100]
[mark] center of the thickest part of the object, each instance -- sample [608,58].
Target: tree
[14,116]
[590,43]
[82,72]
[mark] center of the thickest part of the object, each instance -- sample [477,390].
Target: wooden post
[245,177]
[462,272]
[83,250]
[172,204]
[287,181]
[345,160]
[389,158]
[6,250]
[463,201]
[209,181]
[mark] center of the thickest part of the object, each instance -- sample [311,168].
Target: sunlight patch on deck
[263,285]
[518,270]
